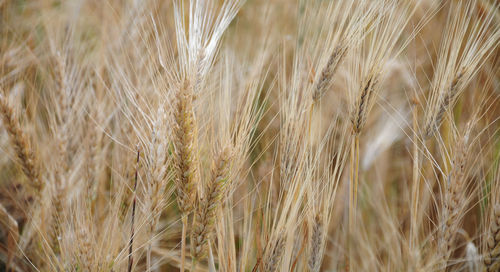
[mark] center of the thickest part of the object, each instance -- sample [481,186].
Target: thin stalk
[311,110]
[211,262]
[353,196]
[356,173]
[183,241]
[353,192]
[351,208]
[415,185]
[351,187]
[193,264]
[148,257]
[131,242]
[301,250]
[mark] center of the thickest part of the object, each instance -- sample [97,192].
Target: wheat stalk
[132,224]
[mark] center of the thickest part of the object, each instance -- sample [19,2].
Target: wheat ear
[492,257]
[358,121]
[444,104]
[185,157]
[274,253]
[316,244]
[453,203]
[363,103]
[206,213]
[325,79]
[157,180]
[21,144]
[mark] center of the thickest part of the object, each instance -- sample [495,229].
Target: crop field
[250,135]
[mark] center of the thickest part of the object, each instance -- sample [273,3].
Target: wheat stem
[415,175]
[356,174]
[132,234]
[183,241]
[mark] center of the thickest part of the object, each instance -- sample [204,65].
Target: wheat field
[257,135]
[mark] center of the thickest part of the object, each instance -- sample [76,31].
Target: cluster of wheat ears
[258,135]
